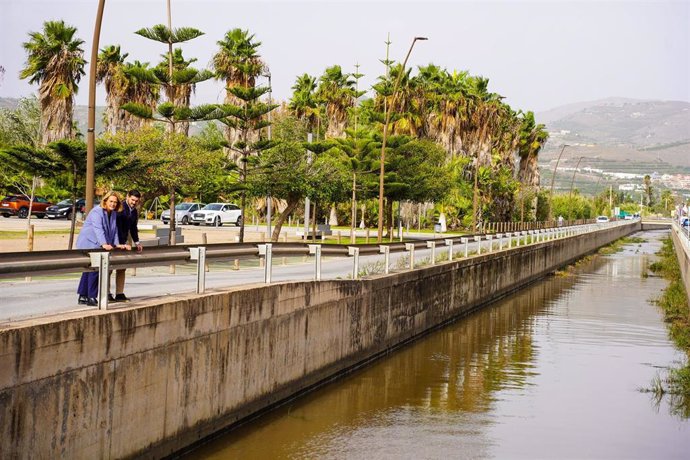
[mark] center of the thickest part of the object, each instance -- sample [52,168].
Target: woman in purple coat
[99,232]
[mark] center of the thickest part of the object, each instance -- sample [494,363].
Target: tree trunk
[171,236]
[353,219]
[74,206]
[389,216]
[313,225]
[292,205]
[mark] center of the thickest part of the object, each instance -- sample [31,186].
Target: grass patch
[674,305]
[19,234]
[617,246]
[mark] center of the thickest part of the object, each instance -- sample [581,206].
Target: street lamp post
[91,116]
[572,181]
[553,178]
[269,201]
[385,137]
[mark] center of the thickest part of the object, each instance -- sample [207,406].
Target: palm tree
[532,139]
[110,71]
[303,104]
[56,62]
[239,64]
[336,92]
[143,88]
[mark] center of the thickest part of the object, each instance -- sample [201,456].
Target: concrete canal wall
[150,380]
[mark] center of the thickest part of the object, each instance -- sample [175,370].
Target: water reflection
[552,371]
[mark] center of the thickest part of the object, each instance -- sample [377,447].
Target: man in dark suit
[127,221]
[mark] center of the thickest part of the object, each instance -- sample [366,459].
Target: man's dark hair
[134,193]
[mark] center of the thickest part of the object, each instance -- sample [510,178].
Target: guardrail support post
[386,251]
[449,243]
[316,250]
[199,254]
[478,240]
[491,242]
[467,243]
[265,250]
[354,251]
[101,260]
[432,245]
[410,247]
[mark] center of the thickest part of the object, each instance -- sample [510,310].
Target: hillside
[80,113]
[622,129]
[616,137]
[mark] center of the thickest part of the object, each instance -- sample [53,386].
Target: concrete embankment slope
[682,247]
[149,380]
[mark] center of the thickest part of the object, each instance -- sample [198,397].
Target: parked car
[602,219]
[218,214]
[183,212]
[63,210]
[18,205]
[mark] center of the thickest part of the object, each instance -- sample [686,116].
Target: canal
[553,371]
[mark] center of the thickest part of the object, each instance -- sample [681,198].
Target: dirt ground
[54,235]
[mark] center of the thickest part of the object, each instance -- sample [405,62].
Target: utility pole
[91,112]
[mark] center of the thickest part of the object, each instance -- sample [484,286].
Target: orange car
[18,205]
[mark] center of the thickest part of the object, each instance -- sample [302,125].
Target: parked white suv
[183,213]
[218,214]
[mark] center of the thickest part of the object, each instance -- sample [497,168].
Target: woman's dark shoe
[121,298]
[111,298]
[82,300]
[92,302]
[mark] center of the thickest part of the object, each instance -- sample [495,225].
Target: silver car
[183,213]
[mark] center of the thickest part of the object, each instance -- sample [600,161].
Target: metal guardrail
[20,264]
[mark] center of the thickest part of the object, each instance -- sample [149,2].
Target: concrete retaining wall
[148,381]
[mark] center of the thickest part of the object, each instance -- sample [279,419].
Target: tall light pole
[91,116]
[385,136]
[268,197]
[553,178]
[572,181]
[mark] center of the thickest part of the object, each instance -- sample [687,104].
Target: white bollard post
[449,243]
[410,247]
[265,250]
[386,251]
[101,260]
[466,241]
[316,250]
[478,240]
[491,242]
[432,245]
[354,251]
[199,254]
[500,241]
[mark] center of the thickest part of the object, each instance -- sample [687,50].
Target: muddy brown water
[554,371]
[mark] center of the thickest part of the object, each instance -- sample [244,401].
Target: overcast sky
[539,55]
